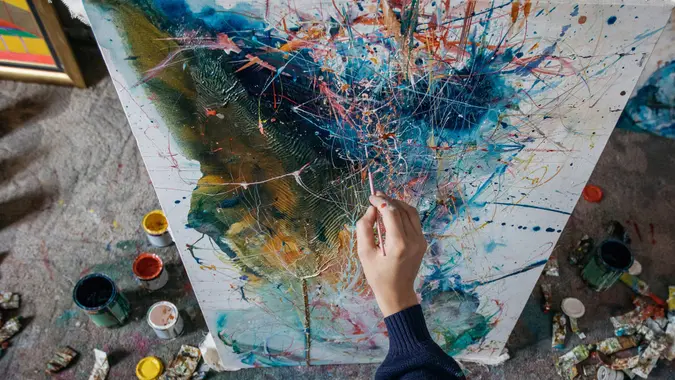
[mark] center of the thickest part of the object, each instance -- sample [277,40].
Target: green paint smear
[129,245]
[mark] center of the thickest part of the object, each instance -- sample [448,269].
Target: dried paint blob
[582,19]
[611,20]
[623,93]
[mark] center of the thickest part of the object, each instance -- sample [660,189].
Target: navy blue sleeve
[412,352]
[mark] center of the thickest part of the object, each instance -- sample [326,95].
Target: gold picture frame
[33,46]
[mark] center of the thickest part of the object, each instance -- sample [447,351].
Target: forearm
[412,352]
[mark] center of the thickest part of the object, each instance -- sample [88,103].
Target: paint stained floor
[73,189]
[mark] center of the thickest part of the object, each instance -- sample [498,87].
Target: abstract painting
[651,107]
[259,121]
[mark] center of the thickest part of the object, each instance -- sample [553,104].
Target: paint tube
[548,295]
[101,366]
[625,363]
[9,300]
[559,331]
[183,365]
[646,332]
[671,304]
[670,335]
[649,357]
[579,254]
[552,268]
[634,282]
[10,328]
[60,360]
[589,370]
[616,344]
[626,324]
[574,326]
[575,356]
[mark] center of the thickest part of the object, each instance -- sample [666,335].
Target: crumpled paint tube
[548,295]
[183,365]
[61,360]
[9,300]
[625,363]
[559,331]
[552,268]
[649,357]
[101,366]
[616,344]
[10,328]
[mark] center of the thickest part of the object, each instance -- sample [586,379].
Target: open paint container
[156,227]
[100,298]
[164,318]
[149,271]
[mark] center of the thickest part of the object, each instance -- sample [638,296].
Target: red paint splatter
[651,232]
[383,205]
[45,260]
[637,231]
[582,20]
[85,271]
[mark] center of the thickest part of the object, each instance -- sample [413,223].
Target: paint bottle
[149,271]
[165,319]
[611,259]
[100,298]
[157,228]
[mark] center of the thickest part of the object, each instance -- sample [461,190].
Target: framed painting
[33,46]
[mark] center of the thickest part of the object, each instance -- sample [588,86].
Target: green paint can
[99,297]
[612,258]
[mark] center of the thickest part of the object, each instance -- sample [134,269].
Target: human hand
[391,276]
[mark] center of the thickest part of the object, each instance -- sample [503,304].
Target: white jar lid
[573,307]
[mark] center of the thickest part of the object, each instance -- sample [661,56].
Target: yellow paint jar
[156,226]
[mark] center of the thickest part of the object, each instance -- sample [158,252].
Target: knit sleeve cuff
[407,330]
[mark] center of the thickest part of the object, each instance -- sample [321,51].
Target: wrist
[393,303]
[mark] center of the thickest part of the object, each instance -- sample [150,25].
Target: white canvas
[253,119]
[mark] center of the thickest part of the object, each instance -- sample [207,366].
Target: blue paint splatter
[575,12]
[565,28]
[550,229]
[177,201]
[611,20]
[536,228]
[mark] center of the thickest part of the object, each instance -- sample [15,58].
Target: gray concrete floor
[73,189]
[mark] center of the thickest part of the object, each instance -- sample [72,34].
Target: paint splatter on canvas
[259,121]
[651,107]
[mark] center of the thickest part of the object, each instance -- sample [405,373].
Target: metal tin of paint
[605,373]
[149,271]
[156,227]
[100,298]
[611,259]
[165,319]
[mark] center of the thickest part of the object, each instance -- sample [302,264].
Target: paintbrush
[372,192]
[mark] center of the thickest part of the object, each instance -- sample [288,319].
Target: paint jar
[611,259]
[164,318]
[99,297]
[157,228]
[149,271]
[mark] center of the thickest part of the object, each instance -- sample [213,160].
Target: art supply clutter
[642,336]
